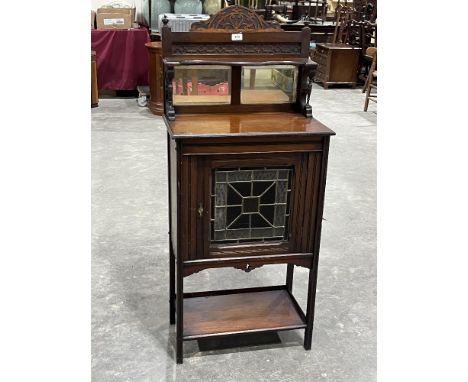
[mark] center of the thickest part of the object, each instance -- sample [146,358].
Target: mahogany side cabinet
[247,167]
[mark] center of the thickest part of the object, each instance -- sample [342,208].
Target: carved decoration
[310,80]
[235,19]
[248,267]
[241,49]
[170,112]
[305,89]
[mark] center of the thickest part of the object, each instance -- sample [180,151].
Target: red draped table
[122,59]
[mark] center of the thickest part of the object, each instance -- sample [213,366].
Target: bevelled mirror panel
[201,85]
[273,84]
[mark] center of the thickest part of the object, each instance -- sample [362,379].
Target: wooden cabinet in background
[337,64]
[156,103]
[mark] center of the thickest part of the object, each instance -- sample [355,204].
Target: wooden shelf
[240,311]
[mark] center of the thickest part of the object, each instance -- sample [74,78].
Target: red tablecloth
[122,58]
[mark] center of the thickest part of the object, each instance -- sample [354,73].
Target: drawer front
[320,58]
[321,74]
[321,61]
[321,50]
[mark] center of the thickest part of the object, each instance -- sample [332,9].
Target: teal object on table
[188,6]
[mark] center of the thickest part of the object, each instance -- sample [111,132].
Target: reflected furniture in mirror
[247,166]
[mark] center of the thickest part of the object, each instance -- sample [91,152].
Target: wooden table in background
[122,59]
[318,32]
[156,103]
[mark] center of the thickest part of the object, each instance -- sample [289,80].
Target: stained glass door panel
[250,205]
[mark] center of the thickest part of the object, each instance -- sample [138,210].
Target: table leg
[289,277]
[94,85]
[194,81]
[184,82]
[253,73]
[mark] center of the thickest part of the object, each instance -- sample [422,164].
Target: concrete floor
[131,336]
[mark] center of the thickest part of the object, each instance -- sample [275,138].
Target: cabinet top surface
[251,124]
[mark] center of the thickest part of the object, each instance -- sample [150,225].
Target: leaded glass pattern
[250,204]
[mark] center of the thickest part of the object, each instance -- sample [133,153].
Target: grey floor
[131,336]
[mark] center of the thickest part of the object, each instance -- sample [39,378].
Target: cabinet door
[256,204]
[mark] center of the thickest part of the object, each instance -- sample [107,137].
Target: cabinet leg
[172,295]
[289,277]
[308,339]
[310,306]
[180,313]
[172,265]
[180,351]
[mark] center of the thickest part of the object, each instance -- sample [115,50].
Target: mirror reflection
[268,84]
[201,85]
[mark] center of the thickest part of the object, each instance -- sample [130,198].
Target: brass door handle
[200,210]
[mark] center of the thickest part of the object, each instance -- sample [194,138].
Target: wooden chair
[371,78]
[368,57]
[343,16]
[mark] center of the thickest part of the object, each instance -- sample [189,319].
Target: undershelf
[228,312]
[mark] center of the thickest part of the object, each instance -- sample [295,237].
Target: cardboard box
[93,20]
[115,18]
